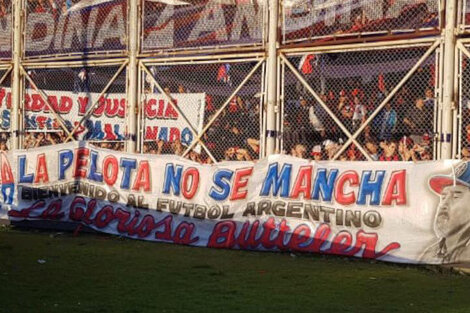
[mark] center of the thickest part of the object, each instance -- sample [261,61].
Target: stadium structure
[239,79]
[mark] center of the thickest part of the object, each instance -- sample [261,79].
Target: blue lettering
[222,181]
[24,178]
[65,161]
[372,188]
[324,185]
[94,174]
[128,165]
[172,179]
[275,181]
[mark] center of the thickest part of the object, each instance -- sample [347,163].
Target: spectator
[316,153]
[418,121]
[359,115]
[389,151]
[385,122]
[372,149]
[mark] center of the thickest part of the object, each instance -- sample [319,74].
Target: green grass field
[97,273]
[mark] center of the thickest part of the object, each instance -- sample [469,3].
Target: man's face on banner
[453,210]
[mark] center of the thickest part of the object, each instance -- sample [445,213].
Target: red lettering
[303,182]
[110,170]
[41,170]
[190,182]
[7,175]
[66,104]
[82,105]
[346,198]
[240,182]
[223,235]
[396,189]
[81,162]
[142,179]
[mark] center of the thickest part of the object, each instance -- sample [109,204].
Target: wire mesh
[6,29]
[75,97]
[202,24]
[310,20]
[464,93]
[5,109]
[352,85]
[220,101]
[57,27]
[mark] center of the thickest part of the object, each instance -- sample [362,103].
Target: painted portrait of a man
[452,218]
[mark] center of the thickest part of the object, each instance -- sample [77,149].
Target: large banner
[315,19]
[391,211]
[205,23]
[74,26]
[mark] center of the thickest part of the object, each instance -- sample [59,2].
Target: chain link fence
[75,102]
[464,104]
[202,24]
[360,105]
[207,111]
[5,108]
[318,20]
[6,29]
[74,27]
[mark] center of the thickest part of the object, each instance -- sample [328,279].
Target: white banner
[162,120]
[391,211]
[107,120]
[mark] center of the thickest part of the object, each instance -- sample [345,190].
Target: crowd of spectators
[233,134]
[402,130]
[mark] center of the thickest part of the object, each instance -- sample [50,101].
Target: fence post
[448,104]
[132,75]
[16,77]
[271,131]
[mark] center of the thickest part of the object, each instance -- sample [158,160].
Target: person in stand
[418,120]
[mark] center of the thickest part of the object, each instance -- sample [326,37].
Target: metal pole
[16,76]
[271,130]
[132,94]
[448,83]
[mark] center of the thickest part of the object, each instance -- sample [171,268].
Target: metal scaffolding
[217,81]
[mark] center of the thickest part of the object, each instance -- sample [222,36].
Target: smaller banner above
[163,122]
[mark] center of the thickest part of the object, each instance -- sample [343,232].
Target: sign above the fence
[93,28]
[209,23]
[392,211]
[315,19]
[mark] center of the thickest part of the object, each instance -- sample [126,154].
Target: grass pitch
[50,272]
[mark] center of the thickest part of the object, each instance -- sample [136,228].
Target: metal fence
[75,102]
[6,29]
[463,117]
[5,107]
[375,104]
[209,111]
[324,21]
[192,76]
